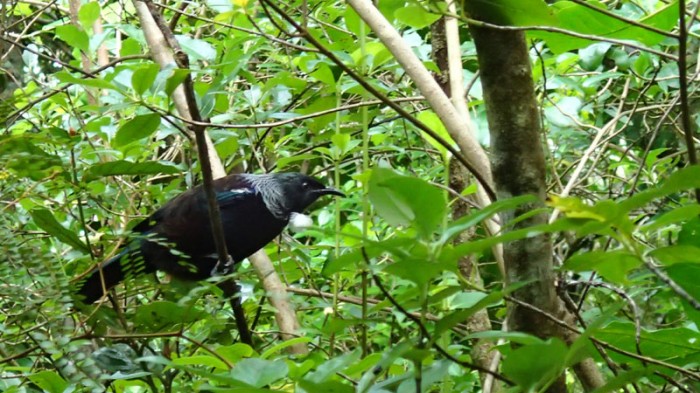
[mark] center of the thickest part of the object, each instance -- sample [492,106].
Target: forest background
[522,181]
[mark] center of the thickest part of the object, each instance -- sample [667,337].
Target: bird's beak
[329,191]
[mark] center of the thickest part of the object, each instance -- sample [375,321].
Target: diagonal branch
[476,161]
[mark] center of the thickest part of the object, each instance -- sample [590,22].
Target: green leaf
[418,271]
[388,204]
[20,154]
[601,78]
[621,380]
[328,369]
[684,179]
[88,14]
[137,128]
[581,19]
[514,337]
[460,316]
[466,299]
[122,167]
[389,356]
[74,37]
[259,372]
[323,74]
[690,233]
[350,260]
[130,46]
[612,265]
[197,49]
[364,364]
[512,12]
[142,79]
[662,344]
[676,254]
[178,76]
[201,360]
[566,112]
[49,381]
[227,147]
[325,387]
[45,220]
[404,200]
[235,352]
[161,316]
[375,52]
[676,215]
[481,245]
[99,83]
[455,228]
[415,16]
[430,119]
[341,141]
[686,275]
[283,162]
[284,344]
[535,365]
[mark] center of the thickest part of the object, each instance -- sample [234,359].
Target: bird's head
[300,191]
[287,193]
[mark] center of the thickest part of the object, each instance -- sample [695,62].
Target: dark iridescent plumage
[177,238]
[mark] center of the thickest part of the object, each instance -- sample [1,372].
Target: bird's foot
[222,269]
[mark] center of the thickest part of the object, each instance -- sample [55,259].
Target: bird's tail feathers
[110,273]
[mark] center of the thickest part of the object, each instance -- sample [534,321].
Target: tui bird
[177,238]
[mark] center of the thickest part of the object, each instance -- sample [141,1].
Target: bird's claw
[222,269]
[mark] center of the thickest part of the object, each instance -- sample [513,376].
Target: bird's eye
[305,184]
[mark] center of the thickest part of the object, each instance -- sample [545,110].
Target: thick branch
[454,123]
[519,169]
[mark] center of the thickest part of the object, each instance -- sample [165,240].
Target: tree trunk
[482,351]
[517,161]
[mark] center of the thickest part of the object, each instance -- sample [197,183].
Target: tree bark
[441,105]
[450,80]
[518,164]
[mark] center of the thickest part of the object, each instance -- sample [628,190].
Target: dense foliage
[89,148]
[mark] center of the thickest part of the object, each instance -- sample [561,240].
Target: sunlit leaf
[201,360]
[676,215]
[512,12]
[686,276]
[162,315]
[404,200]
[88,14]
[178,76]
[679,253]
[259,372]
[137,128]
[433,121]
[535,365]
[49,381]
[97,82]
[613,265]
[122,167]
[416,16]
[142,79]
[73,36]
[21,154]
[581,19]
[45,220]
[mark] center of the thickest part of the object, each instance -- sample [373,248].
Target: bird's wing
[233,196]
[188,207]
